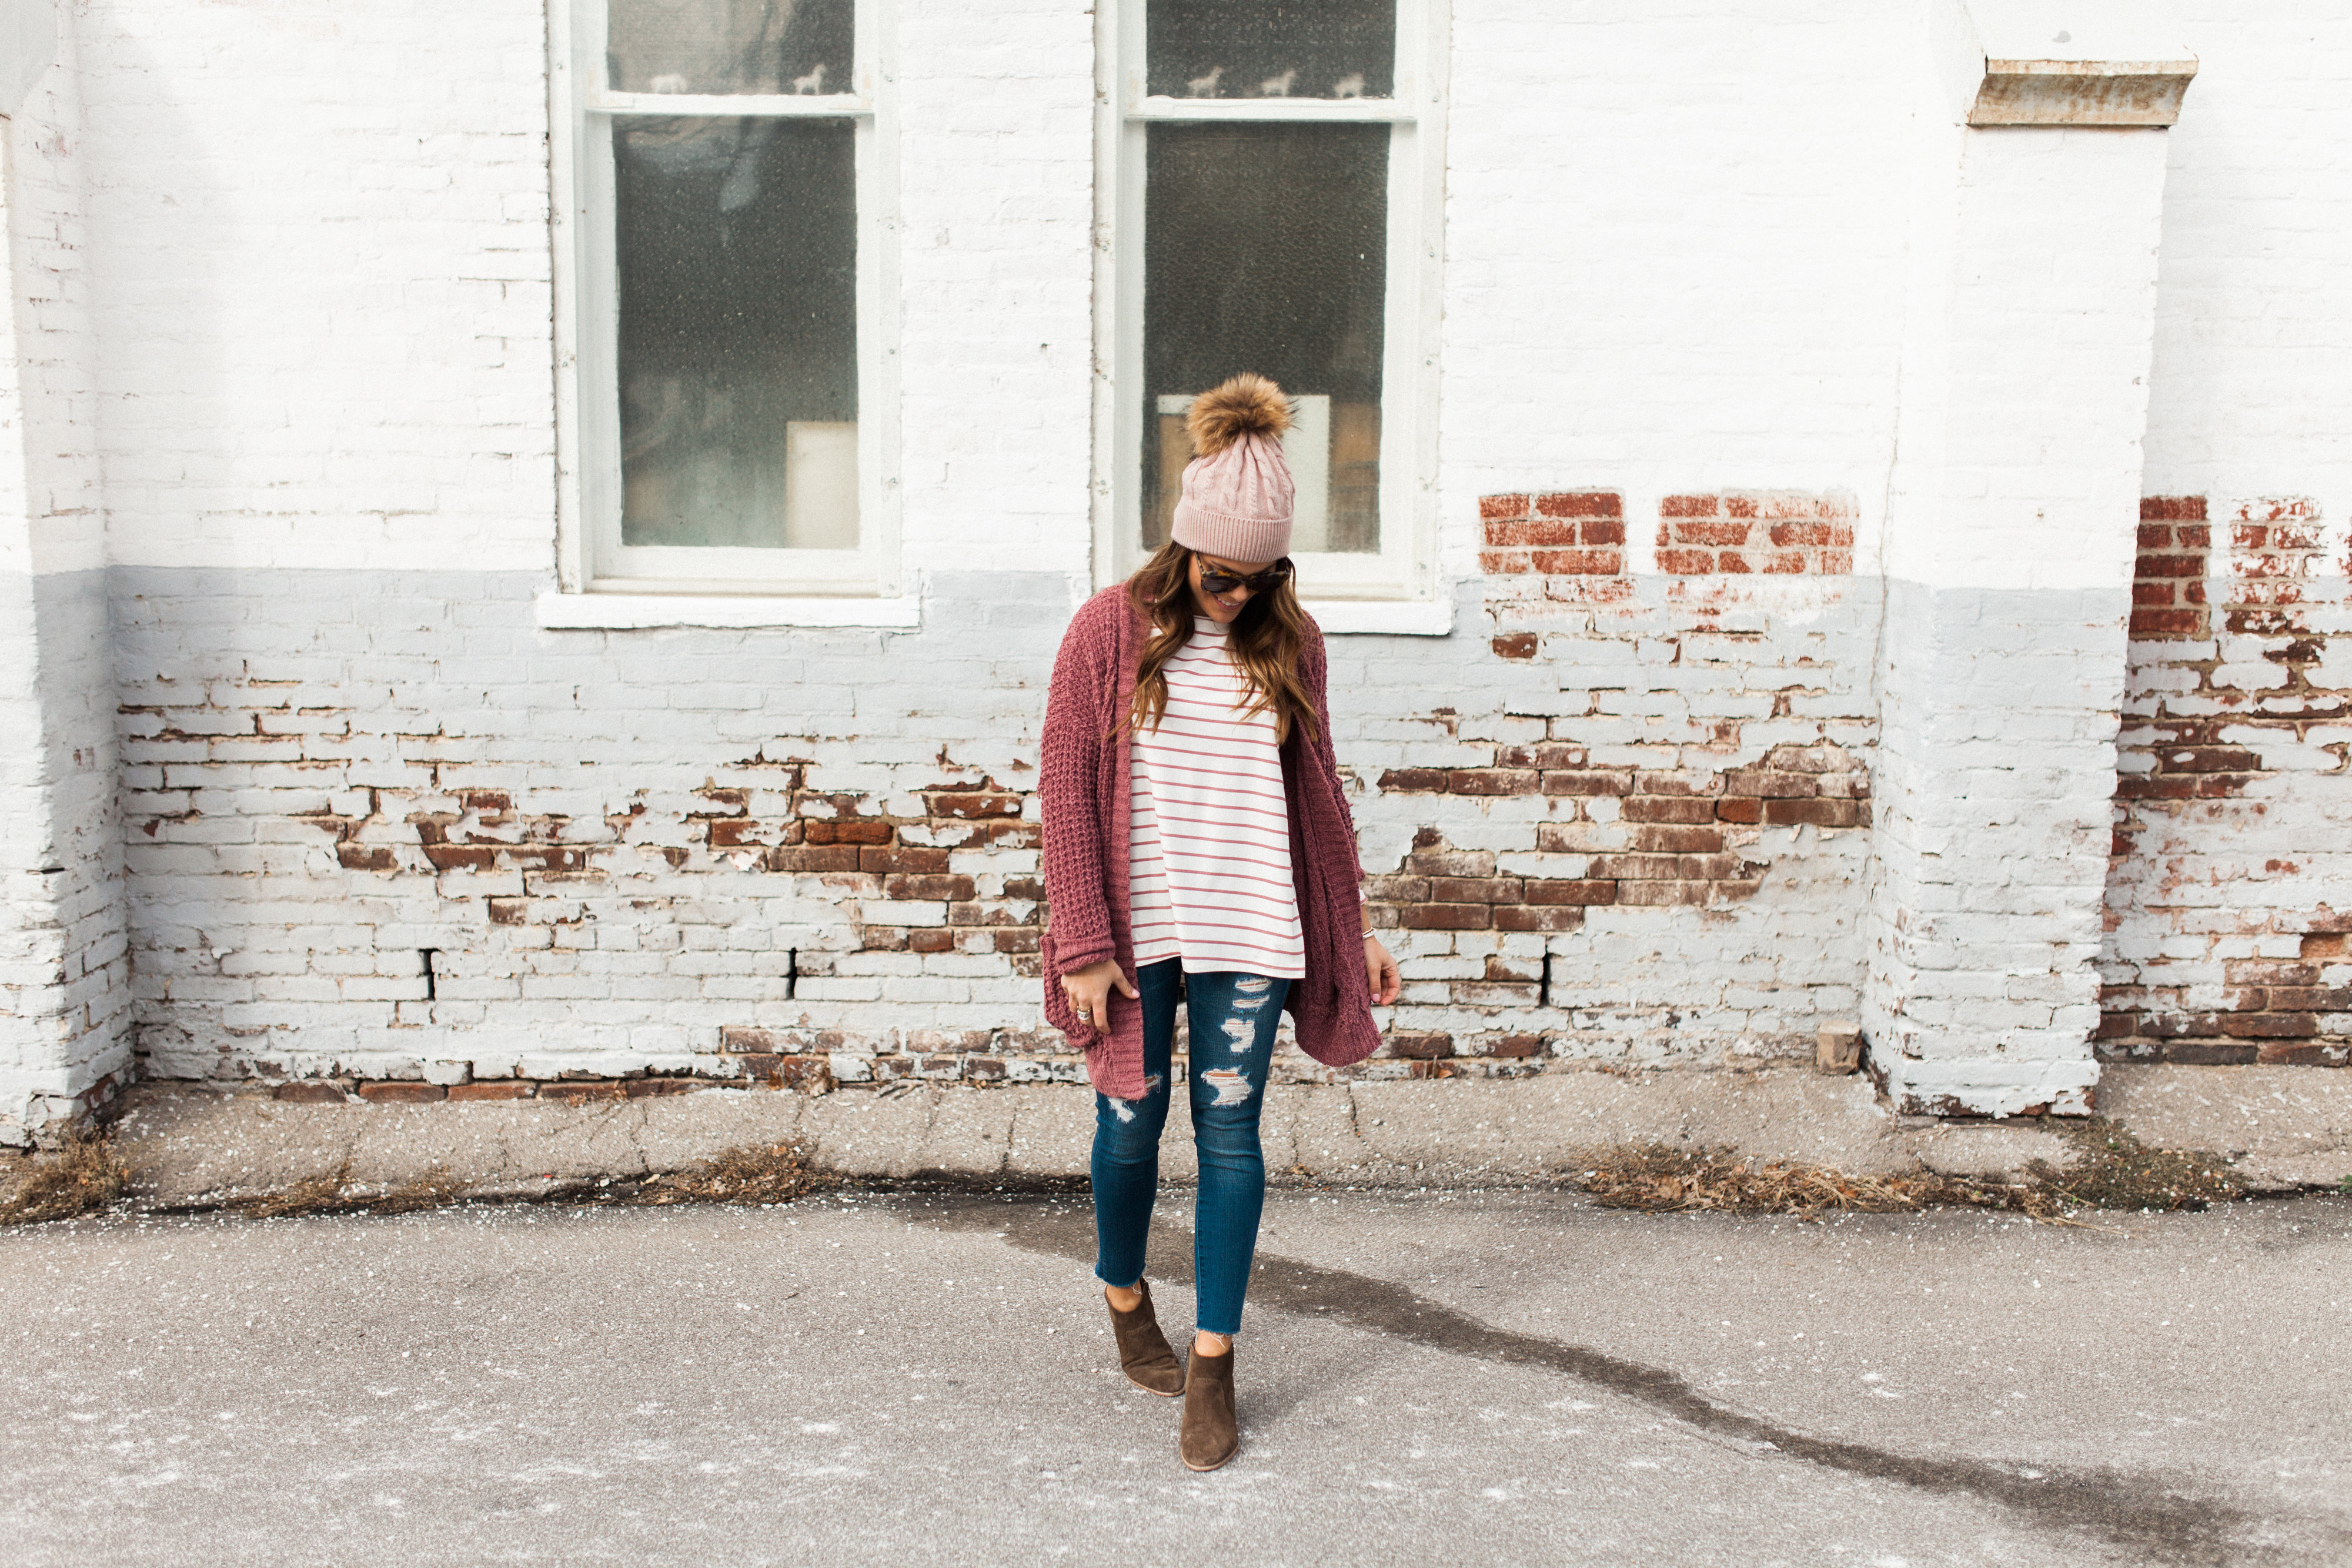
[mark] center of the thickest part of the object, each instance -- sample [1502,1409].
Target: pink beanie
[1237,491]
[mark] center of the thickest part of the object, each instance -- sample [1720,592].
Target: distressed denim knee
[1234,1018]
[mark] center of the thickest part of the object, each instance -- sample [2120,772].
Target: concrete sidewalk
[1508,1378]
[2286,1128]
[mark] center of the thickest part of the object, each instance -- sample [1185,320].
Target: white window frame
[591,560]
[1342,588]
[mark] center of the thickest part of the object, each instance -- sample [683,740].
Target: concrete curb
[2285,1127]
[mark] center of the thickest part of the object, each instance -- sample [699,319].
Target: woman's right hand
[1089,990]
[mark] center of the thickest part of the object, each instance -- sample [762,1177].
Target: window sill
[622,612]
[1382,617]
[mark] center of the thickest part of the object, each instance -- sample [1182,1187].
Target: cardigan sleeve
[1069,780]
[1315,665]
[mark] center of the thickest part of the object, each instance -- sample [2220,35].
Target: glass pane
[1265,248]
[1270,49]
[730,46]
[738,263]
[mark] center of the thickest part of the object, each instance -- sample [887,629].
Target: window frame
[583,113]
[1405,568]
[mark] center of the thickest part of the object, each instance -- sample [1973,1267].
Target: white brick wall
[1687,251]
[64,955]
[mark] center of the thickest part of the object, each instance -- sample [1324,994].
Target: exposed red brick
[1444,917]
[1414,780]
[1505,532]
[1576,562]
[1548,891]
[818,858]
[646,1088]
[1580,504]
[1668,808]
[311,1091]
[930,940]
[505,1089]
[2270,1026]
[1567,781]
[919,889]
[507,911]
[1421,1047]
[1678,839]
[1491,781]
[1817,813]
[2305,1054]
[1708,533]
[2155,507]
[1502,506]
[1604,531]
[1474,890]
[1686,562]
[366,857]
[1687,507]
[845,830]
[1551,917]
[1740,808]
[1516,646]
[1513,1046]
[912,860]
[1505,562]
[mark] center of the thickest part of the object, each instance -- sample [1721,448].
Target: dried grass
[2111,1170]
[85,1175]
[436,1188]
[772,1172]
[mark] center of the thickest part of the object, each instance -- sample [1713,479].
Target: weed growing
[85,1175]
[2111,1170]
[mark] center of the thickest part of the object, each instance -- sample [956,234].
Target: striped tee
[1208,827]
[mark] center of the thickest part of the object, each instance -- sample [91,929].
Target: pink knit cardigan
[1083,783]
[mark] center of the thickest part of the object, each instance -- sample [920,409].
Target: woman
[1195,827]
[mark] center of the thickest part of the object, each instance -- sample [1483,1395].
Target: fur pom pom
[1248,404]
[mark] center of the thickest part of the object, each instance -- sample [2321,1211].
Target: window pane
[730,46]
[737,251]
[1270,49]
[1265,248]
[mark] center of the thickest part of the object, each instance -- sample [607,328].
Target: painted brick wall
[379,823]
[2229,888]
[2230,893]
[64,956]
[1632,835]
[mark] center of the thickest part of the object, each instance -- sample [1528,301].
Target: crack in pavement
[2137,1512]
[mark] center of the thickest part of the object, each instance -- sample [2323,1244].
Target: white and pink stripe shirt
[1209,837]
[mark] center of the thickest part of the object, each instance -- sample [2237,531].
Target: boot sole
[1203,1469]
[1158,1393]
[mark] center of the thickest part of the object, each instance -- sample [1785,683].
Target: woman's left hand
[1381,973]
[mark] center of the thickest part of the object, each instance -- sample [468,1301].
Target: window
[724,295]
[1273,176]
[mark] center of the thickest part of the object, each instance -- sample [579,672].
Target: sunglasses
[1265,581]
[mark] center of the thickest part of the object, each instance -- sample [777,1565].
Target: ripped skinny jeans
[1233,1022]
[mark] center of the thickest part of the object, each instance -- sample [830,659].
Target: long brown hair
[1264,642]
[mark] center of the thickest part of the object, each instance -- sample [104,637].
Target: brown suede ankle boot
[1143,1353]
[1212,1436]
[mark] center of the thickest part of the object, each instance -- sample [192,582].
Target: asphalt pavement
[1447,1377]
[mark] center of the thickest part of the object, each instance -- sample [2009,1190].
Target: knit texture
[1238,495]
[1083,785]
